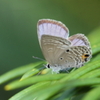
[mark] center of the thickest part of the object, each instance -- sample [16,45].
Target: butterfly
[61,51]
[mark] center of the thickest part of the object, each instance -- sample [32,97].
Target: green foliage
[43,84]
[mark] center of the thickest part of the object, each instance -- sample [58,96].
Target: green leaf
[18,72]
[94,38]
[48,91]
[28,93]
[31,80]
[93,94]
[32,72]
[52,88]
[67,94]
[92,74]
[83,82]
[97,57]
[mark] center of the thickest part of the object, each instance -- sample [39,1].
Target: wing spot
[61,58]
[67,50]
[87,55]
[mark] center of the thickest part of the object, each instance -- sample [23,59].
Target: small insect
[61,51]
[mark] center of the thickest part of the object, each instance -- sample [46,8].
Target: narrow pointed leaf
[92,74]
[17,72]
[32,72]
[28,93]
[94,94]
[31,80]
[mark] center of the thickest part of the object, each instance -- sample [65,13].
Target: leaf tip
[44,71]
[7,88]
[21,79]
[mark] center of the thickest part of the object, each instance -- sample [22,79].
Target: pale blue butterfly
[61,51]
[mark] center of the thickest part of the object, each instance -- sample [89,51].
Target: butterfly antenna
[38,58]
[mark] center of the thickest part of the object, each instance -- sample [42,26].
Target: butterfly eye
[48,66]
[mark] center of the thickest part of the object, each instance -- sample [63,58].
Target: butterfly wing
[77,54]
[51,27]
[74,56]
[79,40]
[52,47]
[52,38]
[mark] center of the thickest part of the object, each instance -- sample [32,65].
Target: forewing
[51,27]
[52,47]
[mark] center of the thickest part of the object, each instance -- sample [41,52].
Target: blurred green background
[18,32]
